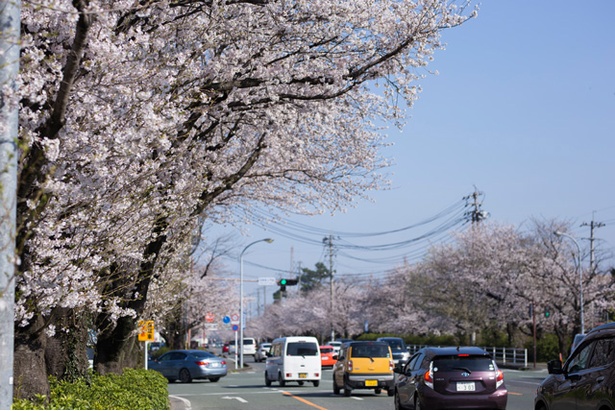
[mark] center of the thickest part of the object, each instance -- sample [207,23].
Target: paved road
[245,390]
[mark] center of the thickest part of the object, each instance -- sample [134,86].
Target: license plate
[466,386]
[371,383]
[215,365]
[302,375]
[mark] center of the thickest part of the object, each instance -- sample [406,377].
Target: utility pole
[592,225]
[329,242]
[476,215]
[10,16]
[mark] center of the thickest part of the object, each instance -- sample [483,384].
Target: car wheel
[184,375]
[282,382]
[316,383]
[336,389]
[300,382]
[267,380]
[378,390]
[398,405]
[214,379]
[347,392]
[390,392]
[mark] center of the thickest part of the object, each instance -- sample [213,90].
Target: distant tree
[311,279]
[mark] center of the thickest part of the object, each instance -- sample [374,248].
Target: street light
[267,240]
[561,234]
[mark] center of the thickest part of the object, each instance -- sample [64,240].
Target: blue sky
[523,109]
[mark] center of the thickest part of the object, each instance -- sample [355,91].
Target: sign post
[235,326]
[146,334]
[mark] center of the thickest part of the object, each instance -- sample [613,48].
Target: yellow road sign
[146,330]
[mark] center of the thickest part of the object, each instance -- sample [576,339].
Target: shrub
[132,390]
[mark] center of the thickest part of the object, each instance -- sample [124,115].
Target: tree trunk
[30,374]
[65,353]
[174,335]
[118,349]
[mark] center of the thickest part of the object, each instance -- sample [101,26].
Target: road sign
[146,330]
[210,317]
[267,281]
[235,319]
[226,319]
[235,327]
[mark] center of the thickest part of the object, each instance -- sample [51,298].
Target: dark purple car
[451,378]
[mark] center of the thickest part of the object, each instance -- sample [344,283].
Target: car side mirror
[555,367]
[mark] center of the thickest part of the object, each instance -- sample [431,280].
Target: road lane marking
[187,404]
[288,394]
[235,398]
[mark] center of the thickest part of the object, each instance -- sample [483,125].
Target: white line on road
[235,398]
[187,404]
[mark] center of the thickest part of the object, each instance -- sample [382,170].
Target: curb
[179,403]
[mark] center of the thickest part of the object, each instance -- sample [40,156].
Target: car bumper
[210,372]
[370,381]
[431,399]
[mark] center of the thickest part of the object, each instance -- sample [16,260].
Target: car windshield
[467,363]
[369,351]
[326,350]
[302,348]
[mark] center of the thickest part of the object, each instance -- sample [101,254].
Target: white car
[249,347]
[336,346]
[261,352]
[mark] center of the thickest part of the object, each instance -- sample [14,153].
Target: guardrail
[503,356]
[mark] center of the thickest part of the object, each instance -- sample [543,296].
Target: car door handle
[600,379]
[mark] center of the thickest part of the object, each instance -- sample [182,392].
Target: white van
[249,347]
[293,359]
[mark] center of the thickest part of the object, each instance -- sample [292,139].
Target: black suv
[587,379]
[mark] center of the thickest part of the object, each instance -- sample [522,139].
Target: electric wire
[448,221]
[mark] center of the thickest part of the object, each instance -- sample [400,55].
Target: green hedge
[132,390]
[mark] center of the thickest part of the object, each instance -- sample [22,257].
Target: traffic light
[283,282]
[547,312]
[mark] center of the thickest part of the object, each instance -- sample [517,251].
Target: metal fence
[503,356]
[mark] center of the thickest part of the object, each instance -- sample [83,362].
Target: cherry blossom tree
[140,120]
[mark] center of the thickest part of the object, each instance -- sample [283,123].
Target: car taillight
[499,379]
[349,365]
[391,365]
[428,377]
[202,363]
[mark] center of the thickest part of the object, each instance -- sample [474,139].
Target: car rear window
[302,348]
[369,351]
[202,354]
[461,362]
